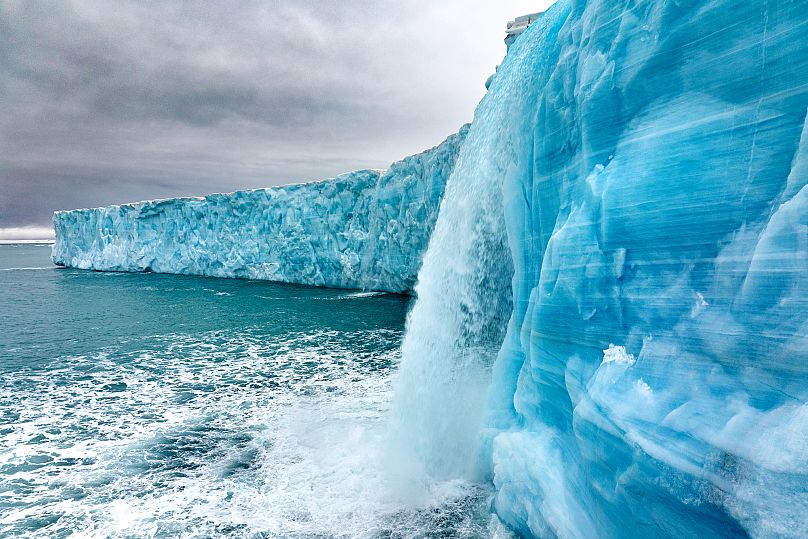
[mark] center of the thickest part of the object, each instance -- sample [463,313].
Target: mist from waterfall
[459,321]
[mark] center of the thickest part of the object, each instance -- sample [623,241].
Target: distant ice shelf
[366,229]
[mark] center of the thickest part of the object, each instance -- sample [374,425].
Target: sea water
[149,405]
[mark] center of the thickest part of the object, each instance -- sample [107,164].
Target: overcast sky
[105,102]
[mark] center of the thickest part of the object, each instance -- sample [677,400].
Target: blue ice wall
[365,229]
[655,378]
[644,164]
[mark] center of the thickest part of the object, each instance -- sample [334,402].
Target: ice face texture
[365,229]
[636,178]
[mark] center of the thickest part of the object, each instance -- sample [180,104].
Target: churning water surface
[145,405]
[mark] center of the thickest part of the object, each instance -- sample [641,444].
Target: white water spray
[458,323]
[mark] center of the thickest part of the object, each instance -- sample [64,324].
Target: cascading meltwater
[464,289]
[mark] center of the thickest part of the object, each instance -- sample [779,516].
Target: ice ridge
[366,229]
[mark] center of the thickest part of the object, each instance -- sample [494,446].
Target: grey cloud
[111,101]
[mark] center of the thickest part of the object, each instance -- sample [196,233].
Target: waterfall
[464,290]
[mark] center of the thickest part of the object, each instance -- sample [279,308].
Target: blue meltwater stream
[146,405]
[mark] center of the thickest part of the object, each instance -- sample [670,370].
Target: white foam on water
[221,434]
[363,294]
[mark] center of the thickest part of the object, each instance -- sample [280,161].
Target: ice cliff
[365,229]
[612,314]
[621,265]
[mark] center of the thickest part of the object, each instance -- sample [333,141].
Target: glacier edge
[366,229]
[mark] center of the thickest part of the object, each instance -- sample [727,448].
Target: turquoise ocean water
[146,405]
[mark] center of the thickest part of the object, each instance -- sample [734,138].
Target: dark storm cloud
[106,102]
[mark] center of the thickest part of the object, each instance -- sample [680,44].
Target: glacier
[366,229]
[611,323]
[620,267]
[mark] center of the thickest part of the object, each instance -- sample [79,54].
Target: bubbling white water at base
[320,474]
[305,456]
